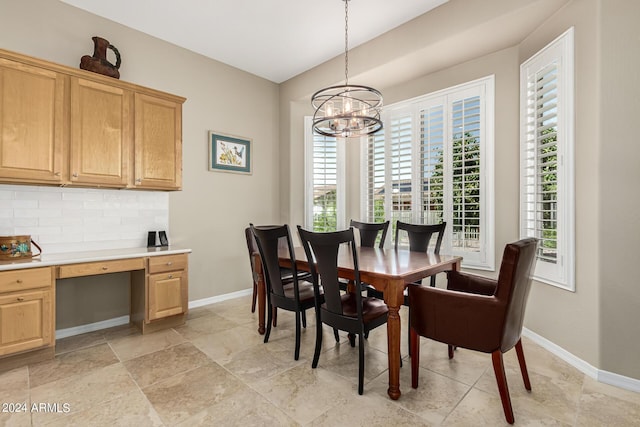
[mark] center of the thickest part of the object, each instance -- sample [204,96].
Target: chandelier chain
[346,42]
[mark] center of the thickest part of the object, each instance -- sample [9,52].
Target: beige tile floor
[216,371]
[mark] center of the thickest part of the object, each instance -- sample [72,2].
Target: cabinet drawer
[31,278]
[159,264]
[103,267]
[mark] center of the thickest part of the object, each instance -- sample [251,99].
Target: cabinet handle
[20,299]
[138,180]
[75,174]
[57,174]
[171,276]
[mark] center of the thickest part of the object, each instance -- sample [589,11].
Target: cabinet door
[101,133]
[25,321]
[167,294]
[158,143]
[31,123]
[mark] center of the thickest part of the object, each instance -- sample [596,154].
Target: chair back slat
[369,232]
[323,248]
[420,235]
[269,239]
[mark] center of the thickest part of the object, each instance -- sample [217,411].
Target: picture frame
[230,153]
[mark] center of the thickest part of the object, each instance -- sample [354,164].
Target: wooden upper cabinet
[31,123]
[158,143]
[101,134]
[65,126]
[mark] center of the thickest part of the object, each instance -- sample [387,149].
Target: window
[324,178]
[546,160]
[434,163]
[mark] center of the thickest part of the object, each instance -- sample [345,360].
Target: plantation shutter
[438,167]
[547,190]
[432,164]
[400,168]
[541,162]
[466,196]
[324,183]
[375,178]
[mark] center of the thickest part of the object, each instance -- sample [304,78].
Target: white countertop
[46,260]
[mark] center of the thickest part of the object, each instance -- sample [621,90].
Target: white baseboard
[606,377]
[621,381]
[219,298]
[91,327]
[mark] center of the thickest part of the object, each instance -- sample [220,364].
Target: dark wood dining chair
[478,313]
[286,273]
[419,236]
[370,231]
[350,312]
[296,296]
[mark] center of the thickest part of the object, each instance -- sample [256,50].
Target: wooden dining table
[389,271]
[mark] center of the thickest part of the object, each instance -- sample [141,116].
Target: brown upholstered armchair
[477,313]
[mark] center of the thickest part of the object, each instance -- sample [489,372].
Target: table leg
[393,298]
[262,294]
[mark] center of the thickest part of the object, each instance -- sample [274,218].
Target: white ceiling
[274,39]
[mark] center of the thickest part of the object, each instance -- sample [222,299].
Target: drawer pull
[105,268]
[171,276]
[20,299]
[19,281]
[169,263]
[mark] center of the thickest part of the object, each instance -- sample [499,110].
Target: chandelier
[347,110]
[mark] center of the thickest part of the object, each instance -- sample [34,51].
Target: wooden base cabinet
[159,298]
[26,310]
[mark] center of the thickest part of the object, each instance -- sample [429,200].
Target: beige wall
[211,211]
[619,207]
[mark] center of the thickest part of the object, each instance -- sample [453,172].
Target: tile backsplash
[63,219]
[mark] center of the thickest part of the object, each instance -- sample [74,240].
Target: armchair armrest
[458,318]
[472,284]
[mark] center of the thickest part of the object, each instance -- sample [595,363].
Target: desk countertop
[47,260]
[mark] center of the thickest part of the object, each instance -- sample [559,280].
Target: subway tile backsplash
[63,219]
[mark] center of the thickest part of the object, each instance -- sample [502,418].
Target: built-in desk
[159,295]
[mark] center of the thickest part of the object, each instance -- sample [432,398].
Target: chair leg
[409,332]
[335,334]
[254,297]
[275,317]
[415,356]
[297,351]
[360,364]
[269,318]
[352,339]
[503,388]
[450,348]
[304,318]
[523,365]
[316,353]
